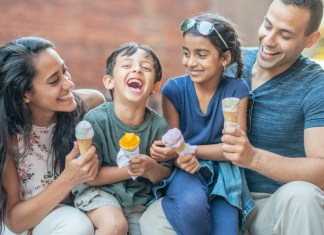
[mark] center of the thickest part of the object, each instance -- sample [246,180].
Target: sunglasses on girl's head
[203,27]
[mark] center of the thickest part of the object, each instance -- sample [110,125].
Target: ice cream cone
[230,111]
[181,147]
[84,145]
[129,142]
[84,134]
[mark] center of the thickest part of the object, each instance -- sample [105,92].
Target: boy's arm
[147,167]
[110,175]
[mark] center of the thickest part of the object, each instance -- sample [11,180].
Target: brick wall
[85,32]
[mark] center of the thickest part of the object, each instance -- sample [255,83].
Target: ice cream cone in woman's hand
[84,134]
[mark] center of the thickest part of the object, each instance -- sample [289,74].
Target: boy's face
[132,78]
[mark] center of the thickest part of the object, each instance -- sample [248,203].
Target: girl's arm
[170,113]
[23,215]
[215,151]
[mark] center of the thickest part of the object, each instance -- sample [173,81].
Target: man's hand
[237,147]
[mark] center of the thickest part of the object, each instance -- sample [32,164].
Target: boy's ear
[227,58]
[156,88]
[108,82]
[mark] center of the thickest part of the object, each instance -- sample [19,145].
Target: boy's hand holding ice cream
[128,149]
[174,139]
[84,134]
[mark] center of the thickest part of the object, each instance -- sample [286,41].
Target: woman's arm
[23,215]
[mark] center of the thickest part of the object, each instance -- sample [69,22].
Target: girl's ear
[157,87]
[227,58]
[108,82]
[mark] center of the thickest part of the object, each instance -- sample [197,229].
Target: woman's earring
[27,101]
[225,67]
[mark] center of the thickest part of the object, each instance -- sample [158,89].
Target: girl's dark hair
[129,49]
[17,71]
[226,30]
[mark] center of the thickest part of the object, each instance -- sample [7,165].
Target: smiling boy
[115,201]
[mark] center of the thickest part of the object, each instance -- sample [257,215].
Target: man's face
[282,36]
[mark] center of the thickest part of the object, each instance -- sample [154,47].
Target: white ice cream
[84,130]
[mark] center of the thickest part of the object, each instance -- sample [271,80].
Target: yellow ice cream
[129,141]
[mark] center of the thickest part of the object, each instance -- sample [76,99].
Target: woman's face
[51,88]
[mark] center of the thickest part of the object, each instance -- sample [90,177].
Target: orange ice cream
[129,142]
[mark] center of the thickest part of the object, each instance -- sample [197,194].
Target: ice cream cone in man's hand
[230,107]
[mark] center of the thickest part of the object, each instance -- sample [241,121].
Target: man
[283,148]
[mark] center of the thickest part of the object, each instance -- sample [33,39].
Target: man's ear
[312,39]
[227,58]
[156,88]
[108,82]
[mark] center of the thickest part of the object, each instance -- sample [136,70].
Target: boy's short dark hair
[129,49]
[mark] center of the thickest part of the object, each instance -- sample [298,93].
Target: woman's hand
[83,169]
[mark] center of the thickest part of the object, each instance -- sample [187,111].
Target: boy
[115,201]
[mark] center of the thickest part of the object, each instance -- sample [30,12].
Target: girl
[37,119]
[209,201]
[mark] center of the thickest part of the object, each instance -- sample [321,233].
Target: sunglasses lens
[187,24]
[205,27]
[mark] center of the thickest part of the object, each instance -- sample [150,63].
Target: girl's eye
[185,53]
[202,55]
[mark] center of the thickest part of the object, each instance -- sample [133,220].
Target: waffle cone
[181,147]
[230,117]
[84,145]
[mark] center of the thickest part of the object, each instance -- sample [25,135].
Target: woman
[38,164]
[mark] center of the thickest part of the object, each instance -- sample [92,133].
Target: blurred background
[86,32]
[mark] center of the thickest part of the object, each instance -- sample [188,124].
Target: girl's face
[201,59]
[51,88]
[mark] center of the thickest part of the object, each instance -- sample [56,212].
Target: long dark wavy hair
[17,71]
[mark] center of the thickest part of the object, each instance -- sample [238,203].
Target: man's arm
[238,149]
[91,98]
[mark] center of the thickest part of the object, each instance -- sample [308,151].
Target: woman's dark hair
[129,49]
[17,71]
[226,30]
